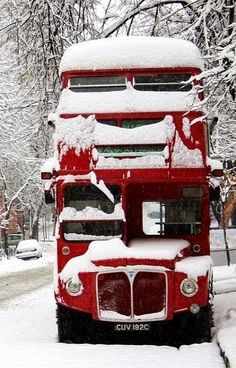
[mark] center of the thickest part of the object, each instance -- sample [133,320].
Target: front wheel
[73,326]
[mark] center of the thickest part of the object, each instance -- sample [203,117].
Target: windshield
[82,196]
[99,215]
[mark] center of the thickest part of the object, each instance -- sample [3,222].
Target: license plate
[132,327]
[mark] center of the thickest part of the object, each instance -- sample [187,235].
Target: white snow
[70,214]
[50,164]
[185,157]
[87,237]
[226,338]
[224,279]
[224,273]
[194,266]
[83,133]
[28,339]
[214,182]
[157,248]
[186,127]
[131,52]
[14,265]
[72,178]
[214,164]
[128,100]
[74,133]
[101,186]
[149,134]
[115,248]
[28,336]
[217,239]
[226,334]
[112,316]
[28,244]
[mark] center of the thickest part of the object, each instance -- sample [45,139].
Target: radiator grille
[148,293]
[131,295]
[114,293]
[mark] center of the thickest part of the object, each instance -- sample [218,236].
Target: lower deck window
[172,217]
[92,230]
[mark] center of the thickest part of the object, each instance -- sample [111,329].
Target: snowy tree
[46,28]
[35,33]
[208,23]
[23,143]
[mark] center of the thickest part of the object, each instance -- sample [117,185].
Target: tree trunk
[35,225]
[5,241]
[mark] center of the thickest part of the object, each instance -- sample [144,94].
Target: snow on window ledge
[91,213]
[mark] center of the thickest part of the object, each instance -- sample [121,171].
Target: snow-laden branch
[141,8]
[9,204]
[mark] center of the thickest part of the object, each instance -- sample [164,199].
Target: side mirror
[49,198]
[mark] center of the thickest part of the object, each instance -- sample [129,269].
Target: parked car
[27,249]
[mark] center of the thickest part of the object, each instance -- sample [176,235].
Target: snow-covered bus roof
[131,52]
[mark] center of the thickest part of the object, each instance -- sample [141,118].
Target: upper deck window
[97,84]
[162,82]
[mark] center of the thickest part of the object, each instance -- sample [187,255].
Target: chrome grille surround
[130,275]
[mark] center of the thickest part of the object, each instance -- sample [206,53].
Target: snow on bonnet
[115,249]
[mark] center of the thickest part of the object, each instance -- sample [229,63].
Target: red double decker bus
[130,178]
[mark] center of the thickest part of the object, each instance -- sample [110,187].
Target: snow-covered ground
[28,331]
[28,339]
[218,246]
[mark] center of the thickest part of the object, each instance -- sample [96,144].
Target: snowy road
[19,283]
[28,339]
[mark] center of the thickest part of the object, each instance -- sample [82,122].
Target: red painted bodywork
[144,184]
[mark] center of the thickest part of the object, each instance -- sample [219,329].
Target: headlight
[189,287]
[74,288]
